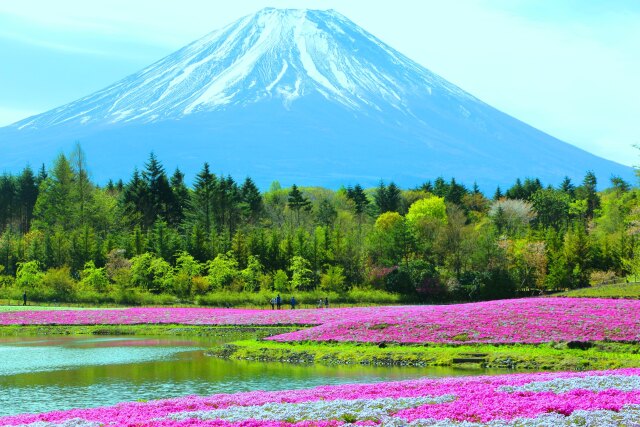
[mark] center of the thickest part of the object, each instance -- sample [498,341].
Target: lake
[51,373]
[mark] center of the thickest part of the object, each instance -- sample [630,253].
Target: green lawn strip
[551,356]
[618,290]
[147,330]
[8,308]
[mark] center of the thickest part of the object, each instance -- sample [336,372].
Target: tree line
[154,238]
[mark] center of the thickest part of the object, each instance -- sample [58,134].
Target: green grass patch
[236,332]
[616,290]
[9,308]
[12,297]
[551,356]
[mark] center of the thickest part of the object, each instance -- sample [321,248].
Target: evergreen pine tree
[159,195]
[567,187]
[455,193]
[360,200]
[227,201]
[7,200]
[179,199]
[387,198]
[201,207]
[515,192]
[54,206]
[27,195]
[134,200]
[588,192]
[440,187]
[498,194]
[251,200]
[427,187]
[42,174]
[297,202]
[475,189]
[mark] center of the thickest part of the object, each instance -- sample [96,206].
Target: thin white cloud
[9,115]
[62,47]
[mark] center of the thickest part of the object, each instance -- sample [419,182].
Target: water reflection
[38,375]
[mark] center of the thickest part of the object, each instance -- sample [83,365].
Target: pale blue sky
[568,67]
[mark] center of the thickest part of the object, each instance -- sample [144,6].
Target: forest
[153,239]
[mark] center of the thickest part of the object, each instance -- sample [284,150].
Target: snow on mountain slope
[275,53]
[300,96]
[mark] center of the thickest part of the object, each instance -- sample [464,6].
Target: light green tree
[54,206]
[280,281]
[301,274]
[161,276]
[333,280]
[252,274]
[94,278]
[187,269]
[29,275]
[391,241]
[431,208]
[222,271]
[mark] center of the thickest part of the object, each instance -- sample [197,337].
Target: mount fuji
[301,96]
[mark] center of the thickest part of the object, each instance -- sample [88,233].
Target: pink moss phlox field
[186,316]
[531,320]
[472,399]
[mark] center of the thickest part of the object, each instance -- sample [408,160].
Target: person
[326,302]
[278,301]
[273,303]
[24,298]
[320,303]
[293,303]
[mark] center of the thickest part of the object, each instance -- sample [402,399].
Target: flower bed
[609,398]
[532,320]
[187,316]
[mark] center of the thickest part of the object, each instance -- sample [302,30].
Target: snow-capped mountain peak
[302,96]
[279,54]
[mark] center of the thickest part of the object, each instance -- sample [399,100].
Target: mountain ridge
[302,82]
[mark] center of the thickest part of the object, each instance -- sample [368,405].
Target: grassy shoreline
[551,356]
[248,344]
[146,329]
[614,291]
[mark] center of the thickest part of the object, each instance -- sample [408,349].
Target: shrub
[28,276]
[252,275]
[222,271]
[280,281]
[399,281]
[333,280]
[599,277]
[301,274]
[59,283]
[199,285]
[92,278]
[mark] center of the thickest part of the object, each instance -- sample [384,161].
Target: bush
[372,296]
[7,281]
[58,282]
[310,298]
[399,281]
[280,281]
[333,280]
[92,278]
[181,285]
[603,277]
[232,299]
[223,270]
[29,276]
[199,285]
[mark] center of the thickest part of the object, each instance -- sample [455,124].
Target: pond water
[53,373]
